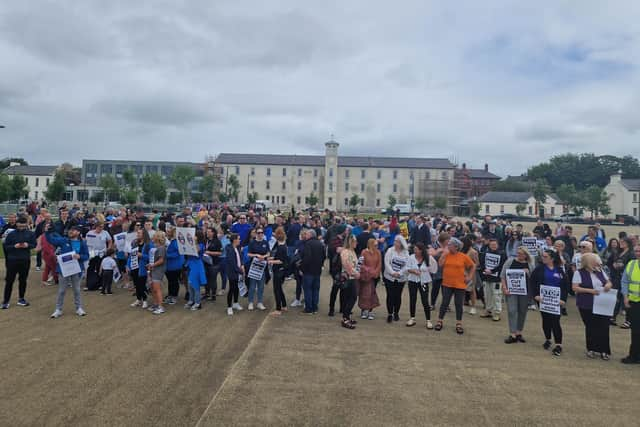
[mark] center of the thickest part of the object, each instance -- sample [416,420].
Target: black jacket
[312,257]
[495,268]
[421,235]
[19,236]
[233,271]
[537,280]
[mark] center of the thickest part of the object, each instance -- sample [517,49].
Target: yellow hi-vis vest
[633,274]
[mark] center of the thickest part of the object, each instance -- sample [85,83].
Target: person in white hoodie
[396,262]
[421,267]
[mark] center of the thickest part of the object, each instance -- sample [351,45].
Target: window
[282,199]
[635,212]
[253,171]
[362,187]
[331,186]
[298,199]
[486,208]
[315,186]
[330,201]
[411,188]
[445,175]
[137,169]
[299,171]
[501,209]
[635,197]
[395,174]
[346,201]
[395,188]
[346,173]
[284,185]
[427,175]
[363,173]
[268,184]
[315,173]
[330,171]
[237,170]
[120,169]
[37,183]
[284,171]
[361,202]
[153,169]
[106,169]
[92,168]
[378,188]
[346,186]
[47,181]
[167,170]
[36,195]
[411,175]
[252,184]
[378,174]
[268,171]
[553,210]
[277,199]
[299,185]
[377,203]
[530,210]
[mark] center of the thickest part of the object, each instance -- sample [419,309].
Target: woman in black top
[211,259]
[279,260]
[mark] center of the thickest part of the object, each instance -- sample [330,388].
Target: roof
[31,170]
[481,174]
[631,184]
[505,197]
[343,161]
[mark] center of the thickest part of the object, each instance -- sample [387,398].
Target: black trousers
[234,292]
[278,293]
[394,296]
[20,268]
[93,276]
[458,299]
[634,312]
[173,279]
[414,288]
[435,291]
[140,283]
[551,324]
[348,298]
[212,278]
[333,296]
[596,330]
[107,280]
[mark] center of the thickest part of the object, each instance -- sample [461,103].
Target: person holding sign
[396,263]
[515,278]
[235,270]
[491,262]
[138,259]
[76,248]
[549,280]
[588,282]
[630,288]
[258,253]
[156,269]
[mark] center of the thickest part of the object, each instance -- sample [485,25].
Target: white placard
[516,282]
[133,265]
[186,238]
[256,271]
[531,243]
[491,261]
[605,302]
[121,240]
[116,275]
[242,287]
[68,264]
[128,242]
[152,255]
[550,299]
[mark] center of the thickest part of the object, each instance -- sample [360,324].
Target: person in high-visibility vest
[630,288]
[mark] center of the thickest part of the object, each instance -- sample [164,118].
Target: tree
[440,203]
[56,189]
[223,197]
[154,189]
[207,187]
[175,198]
[97,197]
[72,175]
[181,177]
[540,191]
[252,197]
[510,185]
[391,202]
[18,187]
[5,187]
[129,194]
[6,162]
[354,201]
[420,203]
[520,207]
[110,187]
[311,200]
[233,187]
[596,200]
[474,207]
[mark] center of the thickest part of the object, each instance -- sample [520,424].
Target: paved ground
[123,366]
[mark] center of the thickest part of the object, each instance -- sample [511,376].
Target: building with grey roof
[37,177]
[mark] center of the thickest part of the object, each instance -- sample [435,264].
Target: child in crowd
[107,267]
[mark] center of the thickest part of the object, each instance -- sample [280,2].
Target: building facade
[289,180]
[624,196]
[37,177]
[507,202]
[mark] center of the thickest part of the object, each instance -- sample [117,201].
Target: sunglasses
[259,232]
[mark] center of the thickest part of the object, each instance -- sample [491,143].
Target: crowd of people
[238,253]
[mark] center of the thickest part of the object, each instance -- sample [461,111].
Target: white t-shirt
[597,284]
[577,261]
[425,271]
[108,263]
[98,241]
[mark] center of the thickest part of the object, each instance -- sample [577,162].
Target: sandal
[438,325]
[347,324]
[459,329]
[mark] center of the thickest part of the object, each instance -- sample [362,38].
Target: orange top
[453,270]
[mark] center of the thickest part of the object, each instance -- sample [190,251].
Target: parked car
[569,217]
[626,220]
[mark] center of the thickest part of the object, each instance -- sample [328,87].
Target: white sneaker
[250,308]
[229,311]
[364,314]
[371,316]
[533,307]
[473,311]
[145,304]
[237,307]
[261,306]
[80,312]
[220,292]
[411,322]
[56,314]
[429,324]
[136,303]
[295,303]
[38,269]
[158,310]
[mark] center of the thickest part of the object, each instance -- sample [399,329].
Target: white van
[265,205]
[403,208]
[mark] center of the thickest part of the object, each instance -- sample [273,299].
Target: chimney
[616,177]
[486,167]
[464,166]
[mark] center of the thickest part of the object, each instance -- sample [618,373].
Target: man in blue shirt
[592,233]
[242,228]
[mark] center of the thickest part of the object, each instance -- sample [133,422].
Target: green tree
[129,193]
[175,198]
[440,203]
[391,202]
[540,191]
[181,177]
[311,200]
[354,201]
[5,187]
[208,187]
[6,162]
[233,187]
[420,203]
[510,185]
[72,175]
[154,189]
[520,208]
[110,187]
[97,197]
[474,207]
[252,197]
[56,189]
[223,198]
[18,187]
[596,201]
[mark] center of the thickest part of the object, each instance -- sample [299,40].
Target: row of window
[36,181]
[108,169]
[252,186]
[363,173]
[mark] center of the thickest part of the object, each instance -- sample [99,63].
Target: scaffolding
[212,167]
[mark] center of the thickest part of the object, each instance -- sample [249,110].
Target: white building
[624,196]
[38,178]
[287,180]
[506,202]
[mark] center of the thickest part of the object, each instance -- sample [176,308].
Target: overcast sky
[501,82]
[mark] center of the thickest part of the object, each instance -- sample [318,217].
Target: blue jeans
[253,284]
[74,282]
[194,294]
[311,286]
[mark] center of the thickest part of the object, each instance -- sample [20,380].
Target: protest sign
[517,282]
[121,240]
[128,241]
[550,299]
[186,237]
[134,259]
[531,243]
[256,270]
[68,264]
[605,302]
[491,261]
